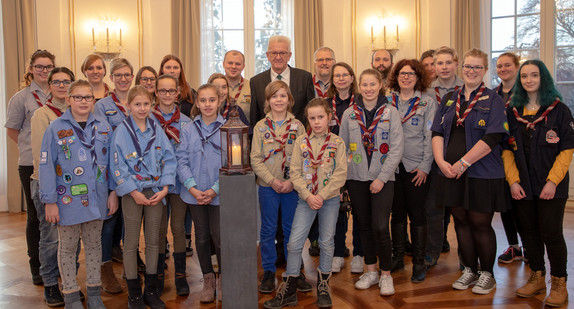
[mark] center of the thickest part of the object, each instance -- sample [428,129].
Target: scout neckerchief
[53,108]
[225,109]
[436,92]
[171,131]
[334,102]
[530,125]
[238,90]
[316,162]
[280,140]
[500,91]
[367,134]
[130,126]
[106,90]
[459,119]
[90,146]
[413,106]
[320,93]
[37,99]
[118,103]
[205,139]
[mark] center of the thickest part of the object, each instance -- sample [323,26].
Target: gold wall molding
[354,33]
[72,26]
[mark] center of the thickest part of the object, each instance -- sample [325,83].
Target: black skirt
[475,194]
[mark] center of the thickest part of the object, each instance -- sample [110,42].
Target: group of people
[402,140]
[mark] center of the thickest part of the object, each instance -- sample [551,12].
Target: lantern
[234,145]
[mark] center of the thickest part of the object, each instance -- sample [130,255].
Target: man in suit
[299,81]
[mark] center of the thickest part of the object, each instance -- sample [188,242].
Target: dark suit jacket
[302,89]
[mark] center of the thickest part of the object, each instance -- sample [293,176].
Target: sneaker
[314,248]
[357,265]
[367,280]
[467,279]
[338,264]
[267,282]
[510,255]
[485,284]
[386,285]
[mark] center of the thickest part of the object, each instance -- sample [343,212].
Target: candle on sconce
[371,33]
[385,35]
[93,37]
[108,36]
[235,155]
[121,35]
[397,33]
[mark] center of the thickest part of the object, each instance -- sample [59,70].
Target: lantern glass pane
[236,149]
[246,149]
[224,149]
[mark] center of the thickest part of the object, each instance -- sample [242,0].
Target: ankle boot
[302,284]
[160,273]
[558,293]
[208,293]
[323,290]
[151,295]
[181,286]
[398,241]
[135,300]
[286,294]
[73,301]
[110,283]
[419,239]
[95,298]
[536,284]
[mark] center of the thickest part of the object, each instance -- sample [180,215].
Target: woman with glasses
[20,110]
[171,65]
[147,76]
[408,81]
[467,132]
[94,69]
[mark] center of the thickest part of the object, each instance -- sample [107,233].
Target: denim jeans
[304,217]
[270,203]
[108,235]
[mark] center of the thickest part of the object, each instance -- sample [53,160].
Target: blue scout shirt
[153,168]
[68,174]
[106,107]
[199,158]
[487,116]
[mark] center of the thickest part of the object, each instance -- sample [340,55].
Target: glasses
[79,98]
[341,76]
[39,68]
[324,60]
[57,83]
[406,74]
[475,68]
[281,54]
[125,75]
[166,91]
[148,79]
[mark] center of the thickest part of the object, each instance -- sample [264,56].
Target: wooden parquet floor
[17,290]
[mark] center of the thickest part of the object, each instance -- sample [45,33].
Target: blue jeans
[270,203]
[304,217]
[48,240]
[108,229]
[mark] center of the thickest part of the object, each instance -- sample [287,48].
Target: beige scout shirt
[332,172]
[42,118]
[244,98]
[263,144]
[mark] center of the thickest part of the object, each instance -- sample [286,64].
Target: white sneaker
[467,279]
[214,263]
[367,280]
[338,263]
[485,284]
[386,285]
[357,264]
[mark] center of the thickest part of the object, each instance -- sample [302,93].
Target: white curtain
[207,40]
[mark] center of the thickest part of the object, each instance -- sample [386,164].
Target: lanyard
[130,126]
[281,140]
[316,162]
[459,119]
[530,125]
[413,106]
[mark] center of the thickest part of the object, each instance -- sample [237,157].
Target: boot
[323,290]
[536,284]
[135,300]
[110,283]
[160,273]
[398,240]
[302,284]
[286,294]
[408,245]
[181,286]
[151,294]
[208,293]
[53,296]
[558,296]
[419,239]
[95,297]
[141,265]
[73,301]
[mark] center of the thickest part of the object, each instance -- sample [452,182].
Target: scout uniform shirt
[387,142]
[318,165]
[241,94]
[141,159]
[437,89]
[272,147]
[74,168]
[111,108]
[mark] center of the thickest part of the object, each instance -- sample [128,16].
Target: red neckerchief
[316,162]
[53,108]
[412,110]
[106,90]
[436,92]
[37,99]
[530,125]
[334,102]
[281,140]
[225,110]
[499,90]
[459,119]
[318,88]
[118,103]
[171,131]
[367,134]
[238,91]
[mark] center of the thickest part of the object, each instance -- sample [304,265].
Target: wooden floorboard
[17,290]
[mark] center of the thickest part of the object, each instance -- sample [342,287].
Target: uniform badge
[383,158]
[82,156]
[85,201]
[61,189]
[357,158]
[552,137]
[353,146]
[305,154]
[262,129]
[481,122]
[137,168]
[61,133]
[104,151]
[414,121]
[325,182]
[385,135]
[79,189]
[267,135]
[59,170]
[67,178]
[43,157]
[512,143]
[101,174]
[384,148]
[66,199]
[449,102]
[78,170]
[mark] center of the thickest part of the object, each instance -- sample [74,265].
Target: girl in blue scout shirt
[220,81]
[198,163]
[536,159]
[172,121]
[318,171]
[271,149]
[373,134]
[74,187]
[467,130]
[143,168]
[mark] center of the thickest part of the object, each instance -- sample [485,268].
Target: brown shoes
[110,283]
[536,284]
[558,293]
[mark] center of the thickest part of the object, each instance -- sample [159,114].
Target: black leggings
[476,238]
[32,222]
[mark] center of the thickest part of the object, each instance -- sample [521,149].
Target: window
[243,25]
[564,50]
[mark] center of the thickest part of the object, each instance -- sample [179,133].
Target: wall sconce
[234,145]
[390,39]
[107,39]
